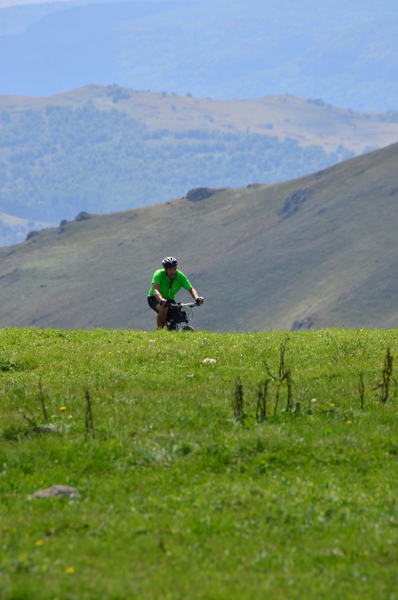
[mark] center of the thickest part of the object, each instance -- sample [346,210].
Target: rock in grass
[56,490]
[47,429]
[209,361]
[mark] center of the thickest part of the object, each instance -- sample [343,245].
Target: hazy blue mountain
[67,48]
[17,19]
[342,51]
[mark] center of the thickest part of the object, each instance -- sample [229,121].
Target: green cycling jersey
[169,287]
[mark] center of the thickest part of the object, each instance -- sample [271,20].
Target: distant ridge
[310,122]
[319,251]
[106,148]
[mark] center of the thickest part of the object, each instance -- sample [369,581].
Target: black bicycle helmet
[169,261]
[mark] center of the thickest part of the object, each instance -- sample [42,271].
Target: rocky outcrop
[304,324]
[293,203]
[62,226]
[201,193]
[82,216]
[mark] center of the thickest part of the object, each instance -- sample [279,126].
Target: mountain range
[318,251]
[343,51]
[107,148]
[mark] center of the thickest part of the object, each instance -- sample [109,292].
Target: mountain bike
[179,316]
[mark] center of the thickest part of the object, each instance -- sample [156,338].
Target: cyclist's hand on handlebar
[200,300]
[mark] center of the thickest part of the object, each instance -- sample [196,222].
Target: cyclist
[166,283]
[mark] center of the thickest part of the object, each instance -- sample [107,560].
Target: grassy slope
[177,500]
[331,263]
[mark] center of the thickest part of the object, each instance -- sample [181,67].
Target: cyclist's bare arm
[195,296]
[156,293]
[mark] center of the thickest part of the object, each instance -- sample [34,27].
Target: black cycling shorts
[153,302]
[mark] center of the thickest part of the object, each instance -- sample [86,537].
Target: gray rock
[47,429]
[56,490]
[197,194]
[82,216]
[31,235]
[62,226]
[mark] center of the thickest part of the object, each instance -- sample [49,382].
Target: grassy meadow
[187,489]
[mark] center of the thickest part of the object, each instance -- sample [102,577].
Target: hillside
[342,51]
[102,149]
[313,252]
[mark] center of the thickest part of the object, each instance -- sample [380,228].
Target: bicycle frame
[179,315]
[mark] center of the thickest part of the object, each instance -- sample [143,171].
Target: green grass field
[180,500]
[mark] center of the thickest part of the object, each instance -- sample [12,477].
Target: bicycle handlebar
[184,304]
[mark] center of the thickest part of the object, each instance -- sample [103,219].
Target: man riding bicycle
[166,283]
